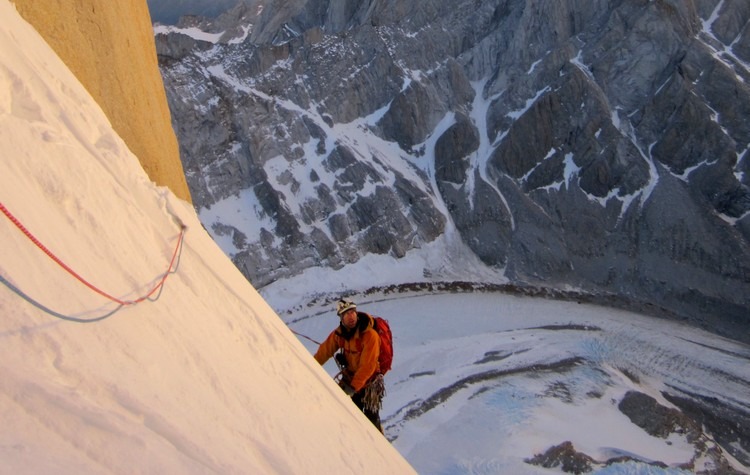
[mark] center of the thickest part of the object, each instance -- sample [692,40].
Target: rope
[57,260]
[121,303]
[305,337]
[52,312]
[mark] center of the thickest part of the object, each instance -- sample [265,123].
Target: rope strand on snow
[59,315]
[176,255]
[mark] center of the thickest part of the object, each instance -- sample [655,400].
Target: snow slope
[201,378]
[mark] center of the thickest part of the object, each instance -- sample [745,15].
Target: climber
[361,377]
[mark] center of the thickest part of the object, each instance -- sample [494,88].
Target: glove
[348,389]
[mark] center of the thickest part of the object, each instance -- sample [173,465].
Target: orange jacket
[361,350]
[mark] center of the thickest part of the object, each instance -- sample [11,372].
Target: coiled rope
[173,265]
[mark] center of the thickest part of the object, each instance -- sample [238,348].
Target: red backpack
[386,343]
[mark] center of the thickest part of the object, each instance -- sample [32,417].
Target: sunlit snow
[201,378]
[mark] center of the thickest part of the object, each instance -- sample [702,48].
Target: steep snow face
[201,378]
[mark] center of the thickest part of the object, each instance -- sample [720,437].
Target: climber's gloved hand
[348,389]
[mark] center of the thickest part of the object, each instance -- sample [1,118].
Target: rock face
[110,47]
[599,145]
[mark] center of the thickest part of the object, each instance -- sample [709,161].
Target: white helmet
[343,305]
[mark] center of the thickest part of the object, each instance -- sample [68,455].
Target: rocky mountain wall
[589,144]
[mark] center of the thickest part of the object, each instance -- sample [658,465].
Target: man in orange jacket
[360,378]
